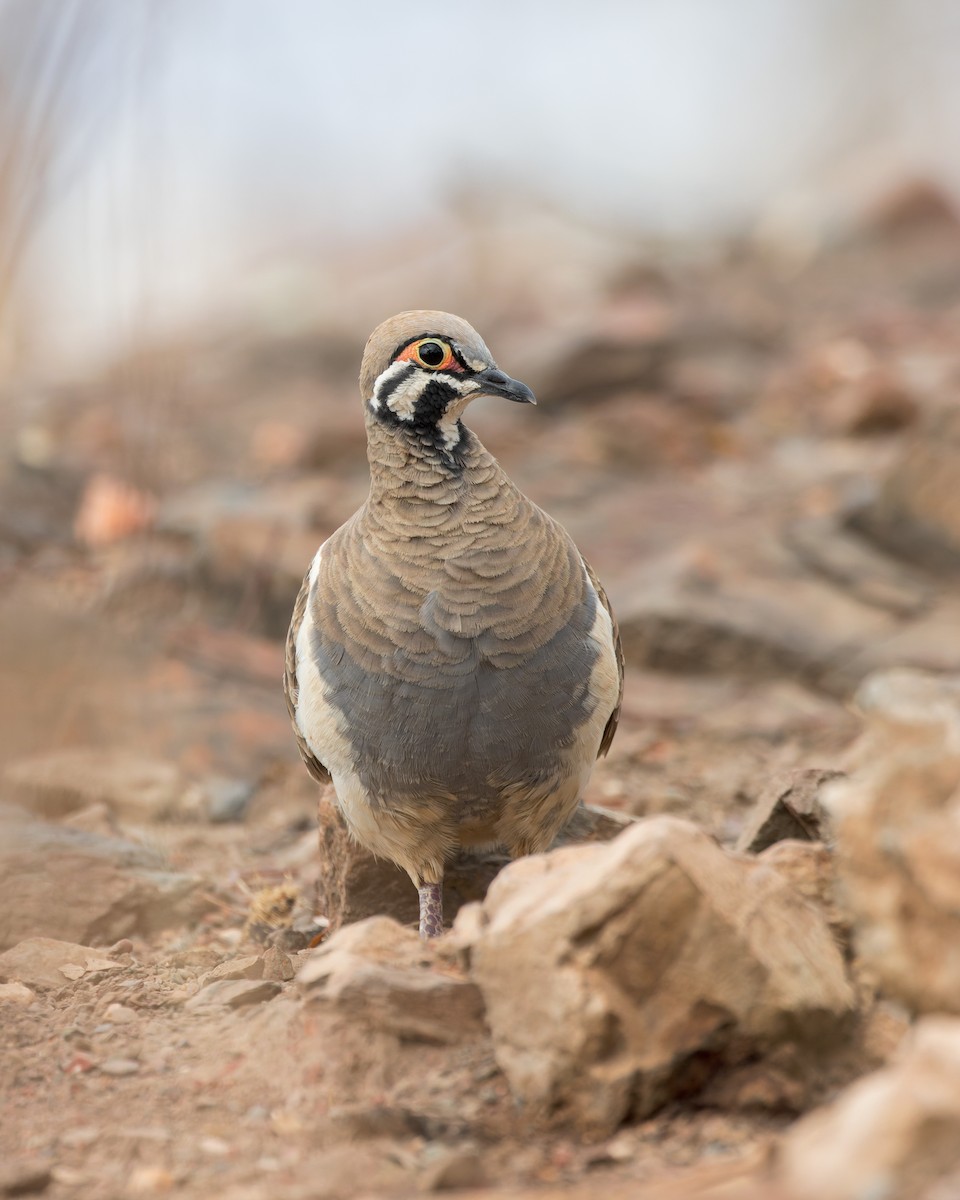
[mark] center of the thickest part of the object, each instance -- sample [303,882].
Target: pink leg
[431,910]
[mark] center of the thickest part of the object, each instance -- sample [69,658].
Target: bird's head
[421,369]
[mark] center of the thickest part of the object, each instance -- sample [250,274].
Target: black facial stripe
[386,390]
[432,403]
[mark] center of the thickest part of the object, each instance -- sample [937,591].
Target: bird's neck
[433,467]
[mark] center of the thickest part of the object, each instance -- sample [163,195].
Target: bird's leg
[431,909]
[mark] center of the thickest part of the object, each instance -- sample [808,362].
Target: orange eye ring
[431,353]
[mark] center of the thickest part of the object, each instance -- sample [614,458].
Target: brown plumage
[452,663]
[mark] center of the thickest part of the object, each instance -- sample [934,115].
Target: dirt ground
[723,431]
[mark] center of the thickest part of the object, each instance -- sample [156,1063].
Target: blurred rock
[746,619]
[809,868]
[133,786]
[617,976]
[353,884]
[380,973]
[233,993]
[259,541]
[227,799]
[277,965]
[891,1135]
[878,403]
[913,204]
[788,807]
[249,966]
[25,1178]
[16,993]
[84,888]
[48,963]
[825,547]
[453,1168]
[897,825]
[859,395]
[928,642]
[917,511]
[598,364]
[111,510]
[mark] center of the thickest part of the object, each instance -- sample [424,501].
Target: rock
[132,785]
[234,993]
[891,1134]
[825,546]
[354,885]
[897,823]
[453,1168]
[16,993]
[119,1066]
[91,889]
[917,511]
[111,510]
[879,402]
[227,799]
[809,868]
[360,1122]
[150,1181]
[47,963]
[267,533]
[614,975]
[24,1178]
[248,966]
[787,807]
[383,974]
[119,1014]
[277,965]
[750,617]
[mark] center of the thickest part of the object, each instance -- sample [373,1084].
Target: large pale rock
[84,888]
[897,823]
[607,969]
[131,785]
[380,973]
[890,1135]
[354,885]
[49,963]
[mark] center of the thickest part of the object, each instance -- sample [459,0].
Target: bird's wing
[291,689]
[614,720]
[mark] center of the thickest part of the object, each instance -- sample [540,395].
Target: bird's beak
[494,382]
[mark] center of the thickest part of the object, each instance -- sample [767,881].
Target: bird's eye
[432,354]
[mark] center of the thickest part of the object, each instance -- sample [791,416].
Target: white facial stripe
[403,399]
[476,364]
[400,397]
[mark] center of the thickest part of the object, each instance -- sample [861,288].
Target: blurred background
[719,241]
[166,163]
[718,238]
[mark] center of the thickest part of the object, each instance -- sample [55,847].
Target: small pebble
[149,1181]
[119,1066]
[78,1138]
[215,1147]
[120,1014]
[16,993]
[124,946]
